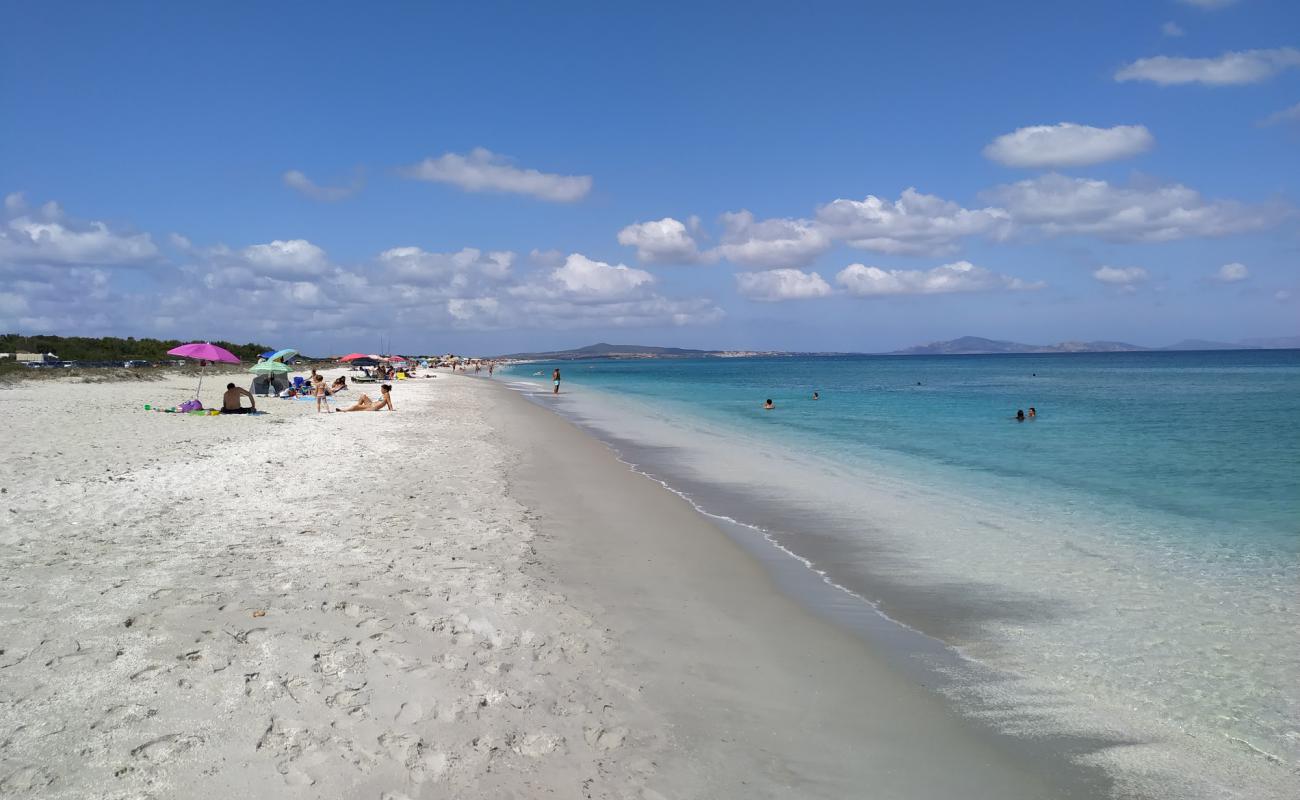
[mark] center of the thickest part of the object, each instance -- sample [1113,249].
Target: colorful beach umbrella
[282,355]
[271,368]
[203,352]
[353,356]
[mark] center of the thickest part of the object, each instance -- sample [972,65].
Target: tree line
[111,348]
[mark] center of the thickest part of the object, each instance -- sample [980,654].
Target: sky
[500,177]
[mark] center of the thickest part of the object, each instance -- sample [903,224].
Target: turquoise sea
[1123,568]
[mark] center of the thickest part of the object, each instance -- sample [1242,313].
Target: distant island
[965,345]
[605,350]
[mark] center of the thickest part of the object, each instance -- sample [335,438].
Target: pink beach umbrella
[202,352]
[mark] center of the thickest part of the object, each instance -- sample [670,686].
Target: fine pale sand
[465,598]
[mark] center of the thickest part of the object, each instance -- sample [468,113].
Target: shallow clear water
[1128,561]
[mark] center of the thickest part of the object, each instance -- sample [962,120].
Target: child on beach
[322,394]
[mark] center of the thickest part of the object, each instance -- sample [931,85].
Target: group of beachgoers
[314,386]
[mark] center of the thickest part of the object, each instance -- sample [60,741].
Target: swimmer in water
[769,405]
[1020,415]
[1033,412]
[817,396]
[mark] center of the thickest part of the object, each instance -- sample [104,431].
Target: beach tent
[270,377]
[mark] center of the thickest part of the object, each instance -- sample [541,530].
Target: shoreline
[663,570]
[1022,646]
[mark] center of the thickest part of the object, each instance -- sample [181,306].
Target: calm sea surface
[1127,563]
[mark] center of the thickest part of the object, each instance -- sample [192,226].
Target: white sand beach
[467,597]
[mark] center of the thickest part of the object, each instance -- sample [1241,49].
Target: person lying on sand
[340,383]
[230,401]
[364,403]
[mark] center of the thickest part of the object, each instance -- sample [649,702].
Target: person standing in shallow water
[555,376]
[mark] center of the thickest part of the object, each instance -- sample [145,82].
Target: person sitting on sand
[230,401]
[340,383]
[364,403]
[769,405]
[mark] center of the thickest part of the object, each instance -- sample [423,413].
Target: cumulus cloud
[1172,29]
[1120,276]
[961,276]
[1229,69]
[664,241]
[584,278]
[1291,114]
[774,285]
[1232,273]
[915,224]
[770,242]
[296,180]
[292,259]
[46,237]
[1060,205]
[1067,144]
[484,171]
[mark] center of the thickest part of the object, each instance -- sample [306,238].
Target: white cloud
[15,203]
[961,276]
[664,241]
[770,242]
[295,179]
[1232,273]
[1282,295]
[411,265]
[46,240]
[915,224]
[1172,29]
[1208,4]
[583,278]
[1120,276]
[774,285]
[1291,114]
[1229,69]
[1067,144]
[652,310]
[292,259]
[484,171]
[1060,205]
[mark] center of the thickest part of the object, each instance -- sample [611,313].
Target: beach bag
[190,405]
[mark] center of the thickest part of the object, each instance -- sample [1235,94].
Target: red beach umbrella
[353,356]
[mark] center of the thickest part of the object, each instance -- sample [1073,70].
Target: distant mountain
[1275,343]
[1206,344]
[604,350]
[973,345]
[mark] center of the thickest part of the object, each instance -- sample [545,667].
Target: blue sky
[499,177]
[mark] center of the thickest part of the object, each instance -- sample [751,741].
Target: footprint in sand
[117,716]
[166,748]
[151,671]
[354,702]
[26,779]
[605,738]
